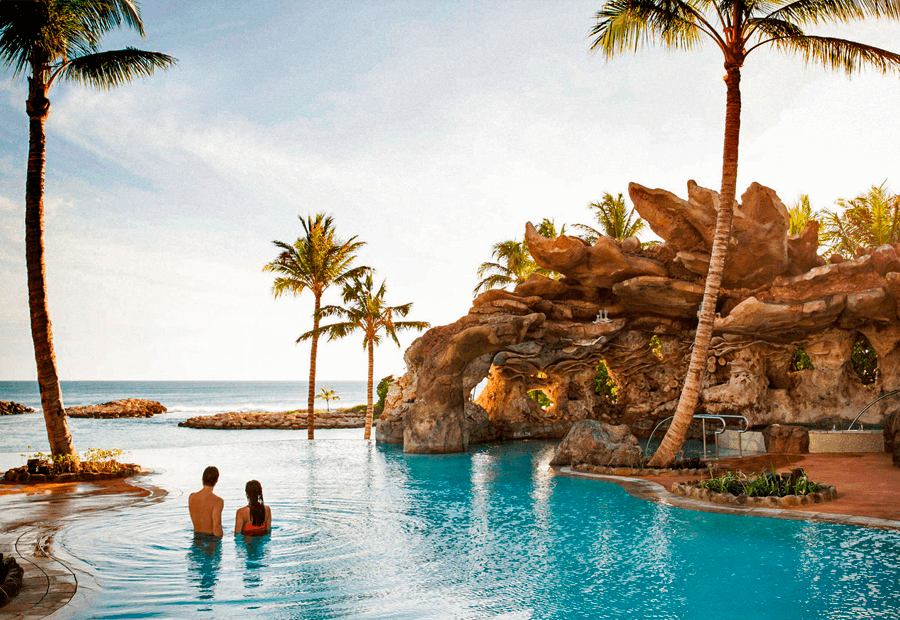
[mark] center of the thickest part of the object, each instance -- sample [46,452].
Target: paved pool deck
[868,487]
[55,584]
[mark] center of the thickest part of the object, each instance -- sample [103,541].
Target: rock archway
[635,308]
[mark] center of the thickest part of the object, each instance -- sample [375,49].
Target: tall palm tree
[800,214]
[313,263]
[366,311]
[737,28]
[514,264]
[50,40]
[615,219]
[869,220]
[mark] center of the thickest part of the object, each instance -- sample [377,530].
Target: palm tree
[737,28]
[50,40]
[869,220]
[328,396]
[800,214]
[514,263]
[616,220]
[366,311]
[314,262]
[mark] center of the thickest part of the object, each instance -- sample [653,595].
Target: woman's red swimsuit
[254,530]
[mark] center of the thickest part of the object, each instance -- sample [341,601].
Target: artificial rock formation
[597,443]
[635,308]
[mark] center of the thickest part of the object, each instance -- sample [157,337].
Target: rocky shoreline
[288,420]
[11,408]
[20,475]
[124,408]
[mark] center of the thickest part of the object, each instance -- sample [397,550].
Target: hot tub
[825,441]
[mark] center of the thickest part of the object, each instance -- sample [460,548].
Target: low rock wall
[289,420]
[20,475]
[636,471]
[692,491]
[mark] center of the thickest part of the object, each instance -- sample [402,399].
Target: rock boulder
[125,408]
[784,439]
[598,443]
[11,408]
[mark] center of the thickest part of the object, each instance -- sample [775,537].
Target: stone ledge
[636,471]
[692,491]
[288,420]
[12,584]
[124,408]
[20,475]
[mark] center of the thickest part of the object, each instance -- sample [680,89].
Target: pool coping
[55,584]
[657,493]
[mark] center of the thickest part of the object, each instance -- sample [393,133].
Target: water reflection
[253,550]
[203,559]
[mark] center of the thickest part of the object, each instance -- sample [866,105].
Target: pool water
[364,531]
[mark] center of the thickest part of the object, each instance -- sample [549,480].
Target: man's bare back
[206,507]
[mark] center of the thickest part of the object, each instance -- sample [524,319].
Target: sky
[429,130]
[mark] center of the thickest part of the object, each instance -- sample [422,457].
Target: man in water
[206,508]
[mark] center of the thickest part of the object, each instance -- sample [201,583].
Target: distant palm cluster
[867,221]
[513,263]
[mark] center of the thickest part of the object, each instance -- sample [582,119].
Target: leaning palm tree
[869,220]
[314,262]
[47,41]
[615,219]
[328,396]
[366,311]
[737,28]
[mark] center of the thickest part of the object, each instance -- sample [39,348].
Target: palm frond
[821,11]
[626,25]
[113,68]
[839,54]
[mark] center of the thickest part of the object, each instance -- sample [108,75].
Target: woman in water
[254,519]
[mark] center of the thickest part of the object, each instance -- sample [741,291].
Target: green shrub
[382,391]
[864,360]
[604,384]
[764,484]
[542,399]
[94,460]
[801,360]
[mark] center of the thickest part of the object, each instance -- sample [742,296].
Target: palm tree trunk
[48,380]
[369,408]
[690,393]
[311,400]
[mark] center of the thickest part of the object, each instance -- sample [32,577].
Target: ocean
[193,397]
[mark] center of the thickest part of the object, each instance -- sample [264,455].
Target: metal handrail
[703,417]
[850,428]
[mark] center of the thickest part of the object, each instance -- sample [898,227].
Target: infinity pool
[364,531]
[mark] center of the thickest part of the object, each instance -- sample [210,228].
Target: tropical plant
[604,384]
[864,360]
[50,40]
[513,262]
[382,390]
[800,359]
[328,396]
[366,311]
[867,221]
[314,262]
[737,28]
[763,484]
[800,213]
[541,398]
[615,219]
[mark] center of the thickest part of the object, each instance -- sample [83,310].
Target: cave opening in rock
[541,397]
[864,360]
[604,383]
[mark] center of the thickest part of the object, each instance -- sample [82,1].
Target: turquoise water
[364,531]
